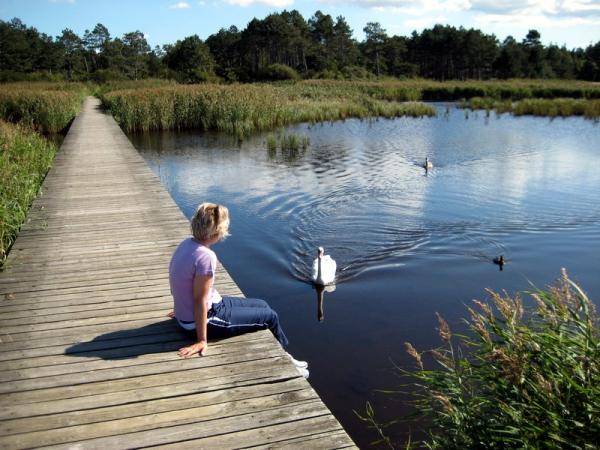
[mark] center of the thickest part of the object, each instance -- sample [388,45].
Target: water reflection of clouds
[511,170]
[362,181]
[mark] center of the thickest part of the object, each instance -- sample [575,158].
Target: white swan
[428,164]
[324,268]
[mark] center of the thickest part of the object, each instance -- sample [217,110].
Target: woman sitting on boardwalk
[198,306]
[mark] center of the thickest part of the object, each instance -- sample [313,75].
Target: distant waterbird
[324,268]
[427,165]
[499,261]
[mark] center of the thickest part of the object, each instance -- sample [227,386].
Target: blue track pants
[234,315]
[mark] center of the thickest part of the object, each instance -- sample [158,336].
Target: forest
[286,46]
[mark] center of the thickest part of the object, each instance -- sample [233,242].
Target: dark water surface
[407,244]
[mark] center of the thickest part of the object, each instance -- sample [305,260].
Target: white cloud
[531,7]
[541,13]
[276,3]
[202,3]
[526,13]
[565,7]
[425,22]
[180,5]
[412,7]
[527,21]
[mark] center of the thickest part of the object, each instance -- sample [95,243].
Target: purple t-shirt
[190,259]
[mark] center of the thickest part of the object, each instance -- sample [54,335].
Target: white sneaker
[303,372]
[298,364]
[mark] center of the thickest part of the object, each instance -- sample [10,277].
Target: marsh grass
[244,109]
[116,85]
[429,90]
[304,142]
[25,158]
[271,143]
[286,147]
[45,107]
[288,142]
[522,378]
[558,107]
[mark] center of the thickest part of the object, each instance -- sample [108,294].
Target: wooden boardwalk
[87,354]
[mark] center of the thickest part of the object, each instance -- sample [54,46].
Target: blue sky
[575,23]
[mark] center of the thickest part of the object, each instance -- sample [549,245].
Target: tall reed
[25,158]
[559,107]
[46,107]
[523,378]
[420,89]
[243,109]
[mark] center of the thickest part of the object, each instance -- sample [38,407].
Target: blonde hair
[210,221]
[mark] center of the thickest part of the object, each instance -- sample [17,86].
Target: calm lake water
[407,244]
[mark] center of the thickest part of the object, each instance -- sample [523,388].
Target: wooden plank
[54,371]
[114,333]
[42,278]
[110,307]
[82,322]
[159,386]
[158,420]
[122,338]
[300,430]
[144,408]
[98,294]
[19,341]
[32,301]
[315,439]
[221,427]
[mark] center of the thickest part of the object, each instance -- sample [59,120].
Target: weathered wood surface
[87,355]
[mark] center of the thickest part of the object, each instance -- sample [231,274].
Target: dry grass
[45,107]
[523,378]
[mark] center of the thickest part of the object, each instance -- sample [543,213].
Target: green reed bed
[559,107]
[291,142]
[429,90]
[46,107]
[118,85]
[525,377]
[243,109]
[25,158]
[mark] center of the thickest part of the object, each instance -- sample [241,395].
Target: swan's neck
[319,275]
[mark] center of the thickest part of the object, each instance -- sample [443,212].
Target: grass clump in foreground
[291,147]
[45,107]
[25,158]
[524,378]
[559,107]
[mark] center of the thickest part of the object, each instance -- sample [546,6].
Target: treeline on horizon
[286,46]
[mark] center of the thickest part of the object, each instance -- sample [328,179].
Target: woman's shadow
[157,337]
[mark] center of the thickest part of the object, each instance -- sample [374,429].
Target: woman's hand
[191,350]
[171,314]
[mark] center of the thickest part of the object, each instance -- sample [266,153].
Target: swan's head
[320,251]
